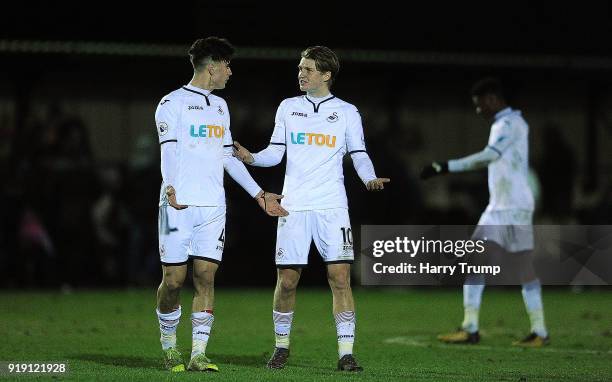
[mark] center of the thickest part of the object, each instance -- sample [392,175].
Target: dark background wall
[79,86]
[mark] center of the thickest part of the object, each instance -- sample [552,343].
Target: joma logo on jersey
[206,131]
[312,138]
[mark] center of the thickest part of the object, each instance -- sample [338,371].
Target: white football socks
[472,296]
[282,328]
[345,327]
[168,322]
[201,323]
[532,296]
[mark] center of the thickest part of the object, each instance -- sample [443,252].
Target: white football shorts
[330,229]
[511,229]
[194,232]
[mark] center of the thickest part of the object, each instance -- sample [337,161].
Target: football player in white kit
[506,224]
[196,146]
[316,130]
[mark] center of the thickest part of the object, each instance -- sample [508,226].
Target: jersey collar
[197,89]
[316,102]
[203,92]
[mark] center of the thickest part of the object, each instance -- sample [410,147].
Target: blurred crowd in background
[68,218]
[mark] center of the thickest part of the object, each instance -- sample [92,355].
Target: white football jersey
[508,175]
[199,123]
[317,134]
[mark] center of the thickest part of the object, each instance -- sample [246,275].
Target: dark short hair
[210,48]
[488,85]
[325,60]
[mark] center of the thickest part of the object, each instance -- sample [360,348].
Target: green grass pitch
[113,335]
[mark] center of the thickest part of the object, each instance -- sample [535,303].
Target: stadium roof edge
[549,61]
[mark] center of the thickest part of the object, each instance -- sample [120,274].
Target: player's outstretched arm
[269,202]
[475,161]
[268,157]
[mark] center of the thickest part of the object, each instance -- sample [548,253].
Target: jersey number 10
[347,235]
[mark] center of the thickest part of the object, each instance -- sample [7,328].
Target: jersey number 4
[222,236]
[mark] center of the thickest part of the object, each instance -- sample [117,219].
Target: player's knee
[523,263]
[173,278]
[288,284]
[173,283]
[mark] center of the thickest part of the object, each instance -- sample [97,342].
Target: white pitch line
[420,341]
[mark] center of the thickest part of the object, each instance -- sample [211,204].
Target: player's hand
[171,194]
[434,169]
[269,203]
[377,184]
[242,154]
